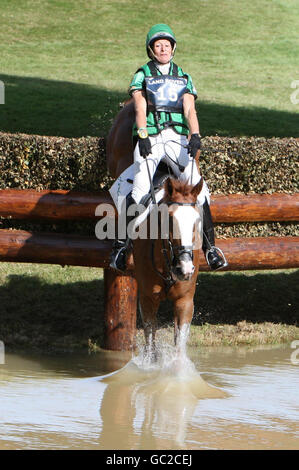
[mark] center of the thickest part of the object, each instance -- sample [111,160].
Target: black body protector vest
[165,95]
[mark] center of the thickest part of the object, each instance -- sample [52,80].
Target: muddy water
[216,399]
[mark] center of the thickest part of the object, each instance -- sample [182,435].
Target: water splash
[171,374]
[161,395]
[165,359]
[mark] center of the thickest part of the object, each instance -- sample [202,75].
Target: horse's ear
[197,188]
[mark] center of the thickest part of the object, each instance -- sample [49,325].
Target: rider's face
[162,50]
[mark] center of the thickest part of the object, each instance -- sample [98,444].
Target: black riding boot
[214,256]
[118,257]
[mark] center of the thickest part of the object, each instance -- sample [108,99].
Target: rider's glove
[194,145]
[145,147]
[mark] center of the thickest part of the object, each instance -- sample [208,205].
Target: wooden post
[120,311]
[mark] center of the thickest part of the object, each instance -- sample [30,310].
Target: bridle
[172,253]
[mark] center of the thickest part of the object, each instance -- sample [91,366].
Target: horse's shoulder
[125,117]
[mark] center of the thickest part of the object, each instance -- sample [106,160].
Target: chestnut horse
[163,268]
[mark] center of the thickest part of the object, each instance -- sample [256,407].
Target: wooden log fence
[71,250]
[121,290]
[71,205]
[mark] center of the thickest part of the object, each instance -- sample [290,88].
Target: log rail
[64,249]
[72,205]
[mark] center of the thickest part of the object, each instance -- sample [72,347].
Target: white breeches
[169,147]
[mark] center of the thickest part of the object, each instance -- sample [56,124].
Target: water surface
[220,399]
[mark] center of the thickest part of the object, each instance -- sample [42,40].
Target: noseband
[179,251]
[171,252]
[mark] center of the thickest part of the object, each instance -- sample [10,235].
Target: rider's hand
[194,145]
[145,147]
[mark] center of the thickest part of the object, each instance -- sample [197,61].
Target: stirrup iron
[222,264]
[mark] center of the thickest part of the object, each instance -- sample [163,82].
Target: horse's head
[184,216]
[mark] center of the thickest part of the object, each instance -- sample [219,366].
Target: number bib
[165,93]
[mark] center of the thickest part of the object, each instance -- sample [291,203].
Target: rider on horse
[165,112]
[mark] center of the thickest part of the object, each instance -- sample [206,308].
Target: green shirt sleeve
[138,82]
[190,87]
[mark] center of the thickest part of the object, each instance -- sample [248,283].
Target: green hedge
[37,162]
[229,165]
[258,165]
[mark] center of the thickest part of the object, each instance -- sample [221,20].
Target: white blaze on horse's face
[185,223]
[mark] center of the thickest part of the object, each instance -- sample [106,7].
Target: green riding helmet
[159,31]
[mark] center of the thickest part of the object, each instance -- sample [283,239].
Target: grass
[243,333]
[50,308]
[67,64]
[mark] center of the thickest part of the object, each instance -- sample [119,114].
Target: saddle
[162,172]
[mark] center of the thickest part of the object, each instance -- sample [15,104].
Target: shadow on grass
[257,298]
[58,108]
[66,316]
[50,316]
